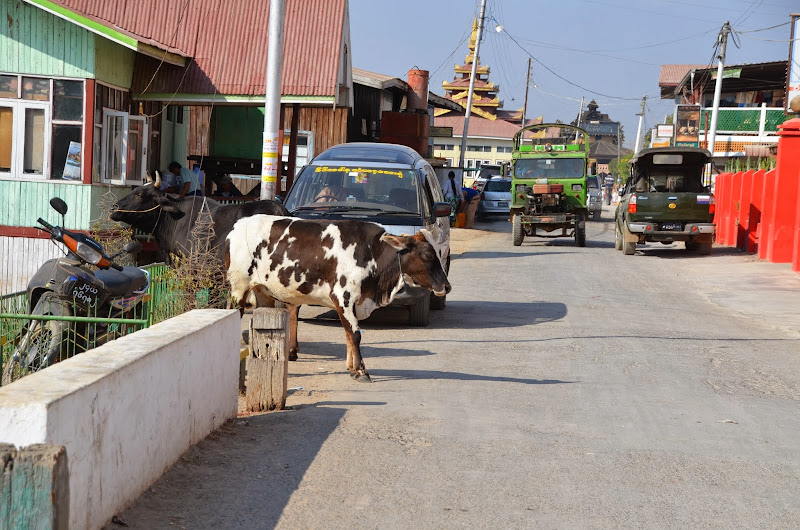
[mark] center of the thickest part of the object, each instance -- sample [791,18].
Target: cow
[171,220]
[352,267]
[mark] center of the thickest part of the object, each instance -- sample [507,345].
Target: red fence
[759,211]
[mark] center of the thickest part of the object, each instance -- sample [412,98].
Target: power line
[562,77]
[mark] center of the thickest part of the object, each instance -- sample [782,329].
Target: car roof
[356,152]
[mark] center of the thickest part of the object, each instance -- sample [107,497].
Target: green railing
[746,119]
[82,333]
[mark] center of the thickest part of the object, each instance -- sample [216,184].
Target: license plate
[671,226]
[502,204]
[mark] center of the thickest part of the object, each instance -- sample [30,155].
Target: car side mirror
[504,169]
[593,169]
[441,209]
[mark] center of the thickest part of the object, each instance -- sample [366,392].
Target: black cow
[353,267]
[171,220]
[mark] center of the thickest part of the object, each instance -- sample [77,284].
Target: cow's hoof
[292,355]
[362,376]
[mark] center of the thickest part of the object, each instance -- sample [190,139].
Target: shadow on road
[267,454]
[338,350]
[393,375]
[677,251]
[467,314]
[493,255]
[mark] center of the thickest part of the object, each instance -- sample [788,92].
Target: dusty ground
[562,387]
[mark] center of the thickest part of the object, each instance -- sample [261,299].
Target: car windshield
[593,182]
[498,185]
[553,168]
[361,187]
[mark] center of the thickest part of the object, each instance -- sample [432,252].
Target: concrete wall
[126,411]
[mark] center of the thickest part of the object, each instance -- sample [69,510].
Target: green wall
[238,131]
[113,63]
[24,202]
[35,42]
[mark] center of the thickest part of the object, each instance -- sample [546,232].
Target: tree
[621,167]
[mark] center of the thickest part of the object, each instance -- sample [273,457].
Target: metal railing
[752,120]
[19,329]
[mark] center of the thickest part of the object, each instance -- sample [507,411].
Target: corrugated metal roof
[671,74]
[228,43]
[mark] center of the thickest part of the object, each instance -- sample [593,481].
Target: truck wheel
[580,231]
[617,237]
[628,248]
[516,230]
[691,246]
[419,313]
[596,215]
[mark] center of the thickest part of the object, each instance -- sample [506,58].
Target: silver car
[495,197]
[388,184]
[594,197]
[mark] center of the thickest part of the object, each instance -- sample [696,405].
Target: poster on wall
[72,167]
[793,77]
[687,120]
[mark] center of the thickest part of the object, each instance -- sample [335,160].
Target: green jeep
[665,200]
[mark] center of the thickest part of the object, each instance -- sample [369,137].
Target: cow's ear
[397,242]
[169,205]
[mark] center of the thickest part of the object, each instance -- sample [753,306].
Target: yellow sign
[672,205]
[326,169]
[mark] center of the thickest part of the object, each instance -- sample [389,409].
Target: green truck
[665,200]
[548,172]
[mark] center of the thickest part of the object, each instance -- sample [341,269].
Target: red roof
[228,43]
[671,74]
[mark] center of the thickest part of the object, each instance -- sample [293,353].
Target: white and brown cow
[353,267]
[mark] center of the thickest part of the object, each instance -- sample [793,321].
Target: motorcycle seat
[124,282]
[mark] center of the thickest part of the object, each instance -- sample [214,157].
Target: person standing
[471,199]
[453,196]
[188,182]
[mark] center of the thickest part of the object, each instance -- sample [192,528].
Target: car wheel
[438,302]
[617,237]
[516,230]
[419,313]
[580,231]
[628,247]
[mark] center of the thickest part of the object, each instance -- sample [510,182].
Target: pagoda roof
[463,83]
[467,69]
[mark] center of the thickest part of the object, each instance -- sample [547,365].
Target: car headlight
[577,187]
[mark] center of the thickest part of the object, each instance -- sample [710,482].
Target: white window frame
[18,107]
[104,171]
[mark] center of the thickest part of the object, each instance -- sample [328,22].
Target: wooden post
[34,487]
[267,364]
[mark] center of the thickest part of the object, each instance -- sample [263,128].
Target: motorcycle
[69,287]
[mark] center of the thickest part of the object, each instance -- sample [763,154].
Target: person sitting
[226,188]
[331,193]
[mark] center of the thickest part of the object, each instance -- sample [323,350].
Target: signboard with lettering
[440,132]
[665,130]
[600,128]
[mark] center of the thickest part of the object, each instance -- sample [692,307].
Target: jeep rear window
[664,159]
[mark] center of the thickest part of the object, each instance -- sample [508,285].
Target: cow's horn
[158,179]
[148,179]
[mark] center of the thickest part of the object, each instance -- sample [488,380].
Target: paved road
[562,387]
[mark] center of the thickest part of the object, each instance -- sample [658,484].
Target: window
[41,126]
[124,149]
[480,148]
[503,149]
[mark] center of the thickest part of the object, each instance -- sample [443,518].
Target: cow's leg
[355,364]
[294,311]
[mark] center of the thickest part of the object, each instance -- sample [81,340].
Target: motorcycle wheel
[42,343]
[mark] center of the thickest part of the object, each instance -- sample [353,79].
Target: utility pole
[619,162]
[722,39]
[639,129]
[271,150]
[578,121]
[527,83]
[471,86]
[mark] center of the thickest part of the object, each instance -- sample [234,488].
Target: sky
[607,50]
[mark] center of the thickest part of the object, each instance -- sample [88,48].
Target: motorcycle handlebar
[45,224]
[115,266]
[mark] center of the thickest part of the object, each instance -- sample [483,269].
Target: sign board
[72,166]
[661,142]
[440,132]
[728,73]
[793,77]
[600,128]
[687,119]
[665,130]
